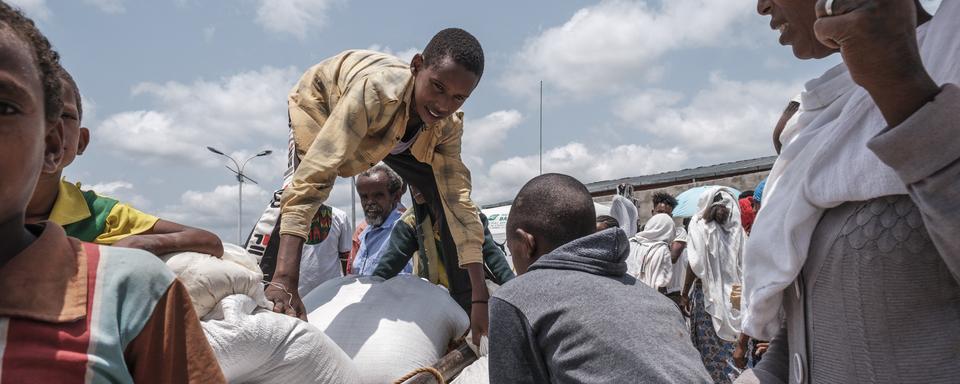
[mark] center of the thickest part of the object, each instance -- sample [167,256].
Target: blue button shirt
[373,241]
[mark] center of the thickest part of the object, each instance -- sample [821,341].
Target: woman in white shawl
[649,259]
[715,244]
[853,267]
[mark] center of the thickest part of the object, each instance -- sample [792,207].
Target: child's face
[71,124]
[28,143]
[441,89]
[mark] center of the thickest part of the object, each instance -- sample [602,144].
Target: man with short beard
[380,189]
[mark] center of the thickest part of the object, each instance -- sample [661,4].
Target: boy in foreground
[75,312]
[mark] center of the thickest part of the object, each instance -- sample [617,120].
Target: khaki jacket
[346,114]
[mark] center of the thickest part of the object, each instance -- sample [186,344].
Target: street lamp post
[238,171]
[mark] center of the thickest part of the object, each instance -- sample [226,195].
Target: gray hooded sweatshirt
[577,317]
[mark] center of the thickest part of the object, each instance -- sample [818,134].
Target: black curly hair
[664,198]
[47,60]
[65,76]
[608,220]
[458,45]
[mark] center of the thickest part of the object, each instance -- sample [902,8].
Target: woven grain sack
[256,345]
[476,373]
[388,328]
[209,279]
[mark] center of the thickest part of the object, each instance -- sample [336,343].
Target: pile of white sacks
[360,329]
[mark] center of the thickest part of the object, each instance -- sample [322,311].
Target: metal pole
[353,201]
[240,176]
[240,211]
[541,127]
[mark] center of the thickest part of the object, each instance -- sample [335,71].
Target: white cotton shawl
[714,253]
[649,259]
[622,209]
[825,164]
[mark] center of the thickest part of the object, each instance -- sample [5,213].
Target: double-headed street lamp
[238,171]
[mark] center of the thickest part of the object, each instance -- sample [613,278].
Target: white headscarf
[714,253]
[649,259]
[825,164]
[622,209]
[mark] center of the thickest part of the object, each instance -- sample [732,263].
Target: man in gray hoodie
[573,315]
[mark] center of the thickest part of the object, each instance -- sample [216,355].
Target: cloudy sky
[630,88]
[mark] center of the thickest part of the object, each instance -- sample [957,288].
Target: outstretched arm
[400,247]
[463,220]
[168,237]
[338,137]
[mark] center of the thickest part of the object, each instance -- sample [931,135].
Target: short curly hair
[664,198]
[458,45]
[609,221]
[65,76]
[47,60]
[394,182]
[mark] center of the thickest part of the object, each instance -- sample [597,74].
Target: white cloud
[727,120]
[404,55]
[294,17]
[486,135]
[109,188]
[89,110]
[603,44]
[489,131]
[244,110]
[108,6]
[216,210]
[123,191]
[505,177]
[35,9]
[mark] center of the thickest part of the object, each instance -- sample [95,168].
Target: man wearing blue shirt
[380,189]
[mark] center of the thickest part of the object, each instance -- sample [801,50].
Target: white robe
[649,259]
[714,253]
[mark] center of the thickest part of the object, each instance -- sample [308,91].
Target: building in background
[742,175]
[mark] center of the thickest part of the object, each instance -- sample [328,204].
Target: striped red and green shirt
[74,312]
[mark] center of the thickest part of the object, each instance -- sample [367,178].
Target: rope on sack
[433,371]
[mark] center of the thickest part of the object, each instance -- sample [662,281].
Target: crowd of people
[841,266]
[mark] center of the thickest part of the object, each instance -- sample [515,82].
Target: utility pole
[353,202]
[541,127]
[238,171]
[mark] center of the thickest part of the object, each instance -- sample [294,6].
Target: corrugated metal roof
[675,177]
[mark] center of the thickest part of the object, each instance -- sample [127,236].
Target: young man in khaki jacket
[360,107]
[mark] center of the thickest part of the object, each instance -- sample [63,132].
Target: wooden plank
[449,365]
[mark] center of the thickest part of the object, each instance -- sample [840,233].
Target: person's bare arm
[168,237]
[282,290]
[685,305]
[676,249]
[479,312]
[740,351]
[338,137]
[344,256]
